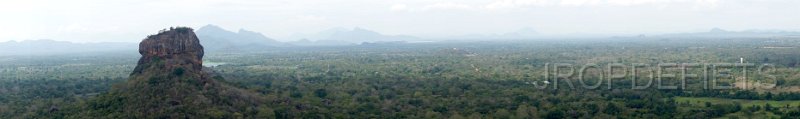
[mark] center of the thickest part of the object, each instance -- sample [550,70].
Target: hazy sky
[130,21]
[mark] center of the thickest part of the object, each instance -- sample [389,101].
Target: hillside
[169,81]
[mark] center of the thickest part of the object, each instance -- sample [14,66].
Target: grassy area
[699,102]
[745,103]
[752,115]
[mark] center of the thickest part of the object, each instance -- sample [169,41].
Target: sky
[131,21]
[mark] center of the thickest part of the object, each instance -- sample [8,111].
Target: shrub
[178,71]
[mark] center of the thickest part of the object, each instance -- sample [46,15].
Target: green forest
[464,79]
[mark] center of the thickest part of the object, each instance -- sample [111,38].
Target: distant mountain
[342,36]
[717,30]
[51,47]
[215,38]
[722,33]
[358,35]
[524,33]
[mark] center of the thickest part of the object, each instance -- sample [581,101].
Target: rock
[170,82]
[171,49]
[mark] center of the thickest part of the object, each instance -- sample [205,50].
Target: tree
[754,108]
[611,108]
[455,115]
[522,112]
[767,107]
[502,113]
[432,115]
[555,114]
[768,96]
[475,116]
[265,113]
[321,93]
[178,71]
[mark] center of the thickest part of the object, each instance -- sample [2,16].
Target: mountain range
[524,33]
[214,38]
[217,39]
[721,33]
[344,36]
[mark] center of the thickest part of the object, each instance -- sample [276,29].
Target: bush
[178,71]
[153,80]
[296,95]
[321,93]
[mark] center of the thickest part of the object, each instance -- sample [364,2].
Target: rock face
[170,82]
[176,47]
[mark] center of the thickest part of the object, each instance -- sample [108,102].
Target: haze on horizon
[129,21]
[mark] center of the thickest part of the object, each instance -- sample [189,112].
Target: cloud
[579,2]
[512,4]
[634,2]
[399,7]
[448,6]
[707,3]
[521,4]
[310,18]
[104,20]
[433,7]
[12,31]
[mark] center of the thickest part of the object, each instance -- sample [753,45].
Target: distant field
[745,103]
[699,102]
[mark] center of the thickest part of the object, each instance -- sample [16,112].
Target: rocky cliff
[169,81]
[176,48]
